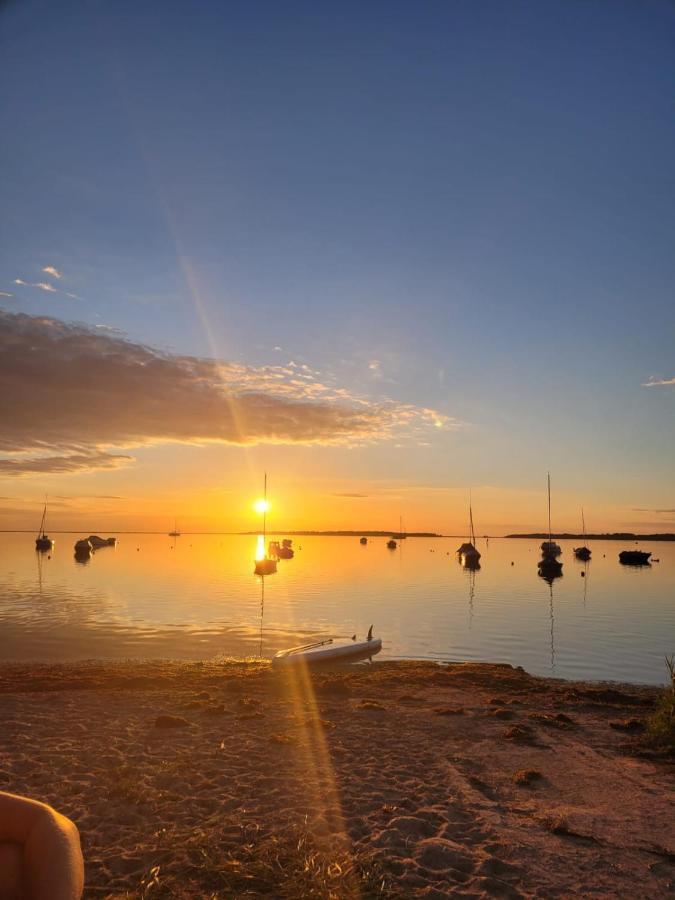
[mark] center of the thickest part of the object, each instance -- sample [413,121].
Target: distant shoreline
[615,536]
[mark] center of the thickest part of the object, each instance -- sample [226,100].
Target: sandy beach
[396,779]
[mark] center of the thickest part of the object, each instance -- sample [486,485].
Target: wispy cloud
[666,512]
[54,465]
[50,270]
[69,393]
[5,294]
[45,286]
[351,496]
[658,382]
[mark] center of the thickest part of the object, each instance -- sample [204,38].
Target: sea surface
[196,597]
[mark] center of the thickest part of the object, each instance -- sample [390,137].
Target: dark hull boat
[98,542]
[634,558]
[550,549]
[363,540]
[391,544]
[83,549]
[281,550]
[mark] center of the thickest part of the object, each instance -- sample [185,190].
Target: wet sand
[396,779]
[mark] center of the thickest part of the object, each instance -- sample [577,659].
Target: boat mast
[583,525]
[44,515]
[549,509]
[265,511]
[473,536]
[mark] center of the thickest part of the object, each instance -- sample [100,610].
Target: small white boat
[329,651]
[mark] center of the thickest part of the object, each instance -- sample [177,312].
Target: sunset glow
[383,315]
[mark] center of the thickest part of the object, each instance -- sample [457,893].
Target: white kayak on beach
[329,651]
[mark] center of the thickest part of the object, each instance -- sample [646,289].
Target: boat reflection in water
[550,569]
[470,561]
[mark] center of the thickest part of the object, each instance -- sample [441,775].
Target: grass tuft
[285,866]
[661,724]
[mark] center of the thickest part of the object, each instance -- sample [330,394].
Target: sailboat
[468,553]
[175,532]
[583,552]
[43,541]
[264,565]
[549,566]
[549,547]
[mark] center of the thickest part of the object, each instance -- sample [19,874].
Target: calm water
[196,597]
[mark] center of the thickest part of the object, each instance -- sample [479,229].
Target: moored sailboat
[583,552]
[549,548]
[549,565]
[43,541]
[468,553]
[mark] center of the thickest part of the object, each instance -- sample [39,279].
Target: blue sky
[464,206]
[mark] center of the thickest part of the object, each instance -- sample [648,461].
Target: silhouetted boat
[175,532]
[391,543]
[281,550]
[549,548]
[83,547]
[43,541]
[98,542]
[583,552]
[468,553]
[286,550]
[634,557]
[363,540]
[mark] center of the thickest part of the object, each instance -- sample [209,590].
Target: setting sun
[261,506]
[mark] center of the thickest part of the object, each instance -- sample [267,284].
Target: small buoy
[511,562]
[137,549]
[583,574]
